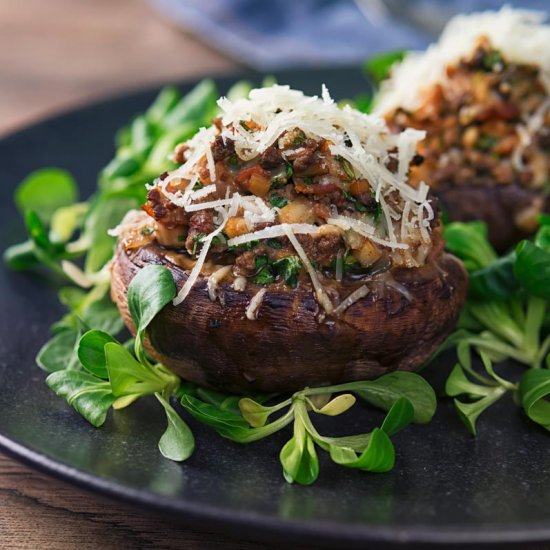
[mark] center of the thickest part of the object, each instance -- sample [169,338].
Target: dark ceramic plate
[447,487]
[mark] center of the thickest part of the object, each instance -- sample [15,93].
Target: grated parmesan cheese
[204,192]
[364,141]
[215,279]
[355,296]
[520,35]
[197,268]
[320,293]
[364,229]
[273,232]
[239,284]
[254,305]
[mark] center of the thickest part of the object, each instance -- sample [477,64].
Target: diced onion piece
[254,305]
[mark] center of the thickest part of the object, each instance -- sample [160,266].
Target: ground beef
[164,211]
[222,149]
[245,262]
[471,123]
[322,250]
[202,221]
[271,158]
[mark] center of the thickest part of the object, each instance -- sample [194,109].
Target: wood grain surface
[55,54]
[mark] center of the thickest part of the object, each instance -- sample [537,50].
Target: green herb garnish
[289,170]
[346,166]
[250,245]
[288,268]
[299,139]
[277,201]
[278,181]
[197,240]
[264,274]
[274,243]
[492,60]
[378,67]
[407,397]
[504,318]
[486,143]
[357,205]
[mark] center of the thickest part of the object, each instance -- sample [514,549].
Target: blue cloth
[272,34]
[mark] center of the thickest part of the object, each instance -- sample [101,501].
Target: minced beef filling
[297,175]
[472,122]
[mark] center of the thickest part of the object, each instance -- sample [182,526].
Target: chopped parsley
[198,185]
[286,268]
[197,239]
[244,125]
[233,161]
[357,205]
[278,181]
[289,170]
[277,201]
[146,231]
[486,143]
[274,243]
[245,246]
[346,166]
[219,239]
[299,139]
[492,60]
[308,180]
[348,261]
[264,274]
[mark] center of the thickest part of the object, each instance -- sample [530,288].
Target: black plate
[447,487]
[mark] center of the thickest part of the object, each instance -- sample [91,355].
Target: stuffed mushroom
[301,254]
[482,96]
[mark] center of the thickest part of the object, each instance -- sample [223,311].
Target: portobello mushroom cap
[290,345]
[496,205]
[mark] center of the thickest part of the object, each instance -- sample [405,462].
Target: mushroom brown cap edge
[214,344]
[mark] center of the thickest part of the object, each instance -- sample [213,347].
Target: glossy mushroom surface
[292,344]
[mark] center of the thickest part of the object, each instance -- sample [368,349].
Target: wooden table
[55,54]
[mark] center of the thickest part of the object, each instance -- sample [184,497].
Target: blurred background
[58,53]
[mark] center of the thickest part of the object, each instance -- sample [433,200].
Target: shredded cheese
[197,268]
[204,192]
[363,229]
[363,141]
[355,296]
[254,305]
[273,232]
[239,284]
[215,279]
[519,34]
[320,293]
